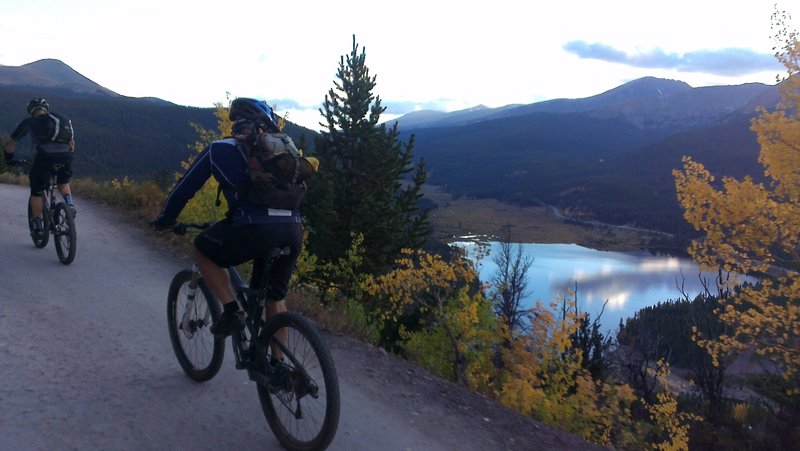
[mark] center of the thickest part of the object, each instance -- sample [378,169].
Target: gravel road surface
[86,363]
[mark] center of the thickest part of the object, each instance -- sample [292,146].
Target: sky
[426,55]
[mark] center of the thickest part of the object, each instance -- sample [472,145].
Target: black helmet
[254,111]
[36,103]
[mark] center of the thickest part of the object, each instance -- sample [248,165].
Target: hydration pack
[277,172]
[59,128]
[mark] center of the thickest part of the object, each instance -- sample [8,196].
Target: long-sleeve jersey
[38,127]
[226,161]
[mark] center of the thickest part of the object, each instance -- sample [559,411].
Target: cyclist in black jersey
[48,155]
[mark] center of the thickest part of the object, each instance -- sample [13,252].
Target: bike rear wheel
[199,352]
[39,241]
[304,415]
[64,235]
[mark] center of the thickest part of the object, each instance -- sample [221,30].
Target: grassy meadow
[488,217]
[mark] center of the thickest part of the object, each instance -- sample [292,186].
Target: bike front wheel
[39,241]
[190,315]
[64,234]
[303,409]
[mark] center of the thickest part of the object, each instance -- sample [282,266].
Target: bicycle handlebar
[182,227]
[25,164]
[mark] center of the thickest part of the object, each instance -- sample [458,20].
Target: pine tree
[360,188]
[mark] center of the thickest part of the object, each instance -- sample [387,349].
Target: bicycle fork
[189,326]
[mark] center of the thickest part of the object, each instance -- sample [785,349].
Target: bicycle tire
[199,352]
[318,428]
[65,237]
[39,241]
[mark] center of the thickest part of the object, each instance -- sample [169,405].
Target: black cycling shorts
[43,167]
[227,245]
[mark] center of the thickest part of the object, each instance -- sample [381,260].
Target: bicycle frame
[283,353]
[49,196]
[245,342]
[58,217]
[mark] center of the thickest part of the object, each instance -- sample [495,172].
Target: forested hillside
[606,158]
[119,136]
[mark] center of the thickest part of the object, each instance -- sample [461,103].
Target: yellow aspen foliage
[459,341]
[753,228]
[130,194]
[543,377]
[459,345]
[740,412]
[667,418]
[420,279]
[203,206]
[206,136]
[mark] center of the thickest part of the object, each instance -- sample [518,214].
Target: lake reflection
[629,281]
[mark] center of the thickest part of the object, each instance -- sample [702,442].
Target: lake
[629,281]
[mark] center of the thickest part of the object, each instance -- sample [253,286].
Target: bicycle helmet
[254,111]
[38,103]
[242,127]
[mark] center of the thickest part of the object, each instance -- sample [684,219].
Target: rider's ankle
[230,307]
[38,225]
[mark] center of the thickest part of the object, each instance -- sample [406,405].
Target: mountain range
[606,158]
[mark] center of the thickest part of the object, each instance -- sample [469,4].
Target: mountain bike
[299,394]
[58,218]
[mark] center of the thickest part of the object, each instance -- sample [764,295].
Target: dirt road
[86,363]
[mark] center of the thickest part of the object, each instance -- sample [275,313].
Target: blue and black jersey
[226,161]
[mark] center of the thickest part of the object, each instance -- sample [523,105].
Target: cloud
[392,107]
[404,107]
[728,62]
[290,104]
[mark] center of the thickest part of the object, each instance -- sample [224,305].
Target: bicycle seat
[276,252]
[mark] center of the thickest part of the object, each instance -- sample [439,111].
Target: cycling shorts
[227,244]
[43,167]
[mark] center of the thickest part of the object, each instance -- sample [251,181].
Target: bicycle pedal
[245,361]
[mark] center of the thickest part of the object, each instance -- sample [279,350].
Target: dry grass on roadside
[341,318]
[10,178]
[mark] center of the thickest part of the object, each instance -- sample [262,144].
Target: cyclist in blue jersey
[48,154]
[248,232]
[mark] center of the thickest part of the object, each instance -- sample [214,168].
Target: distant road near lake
[453,218]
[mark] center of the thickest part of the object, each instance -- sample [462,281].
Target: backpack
[59,128]
[277,172]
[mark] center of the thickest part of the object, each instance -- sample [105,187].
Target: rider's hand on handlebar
[161,223]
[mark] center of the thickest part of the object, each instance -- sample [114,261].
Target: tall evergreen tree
[361,186]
